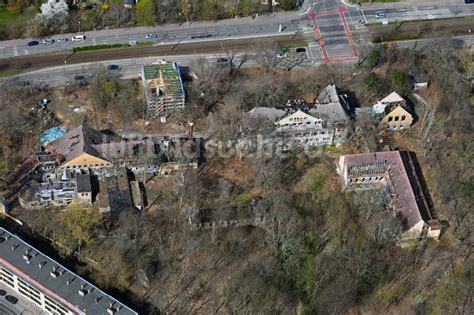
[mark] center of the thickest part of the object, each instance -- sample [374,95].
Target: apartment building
[48,285]
[305,129]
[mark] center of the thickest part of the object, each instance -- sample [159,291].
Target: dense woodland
[322,250]
[19,18]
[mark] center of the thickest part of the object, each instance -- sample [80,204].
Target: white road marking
[15,50]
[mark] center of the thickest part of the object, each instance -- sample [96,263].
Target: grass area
[10,72]
[408,30]
[294,45]
[395,37]
[6,15]
[148,43]
[331,148]
[103,47]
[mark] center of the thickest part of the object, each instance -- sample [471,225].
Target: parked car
[380,15]
[11,299]
[300,50]
[282,55]
[151,36]
[48,41]
[113,67]
[222,60]
[132,43]
[33,43]
[78,38]
[3,292]
[62,40]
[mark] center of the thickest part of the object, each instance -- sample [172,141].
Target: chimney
[190,134]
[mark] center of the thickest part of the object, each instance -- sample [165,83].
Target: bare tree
[267,54]
[208,87]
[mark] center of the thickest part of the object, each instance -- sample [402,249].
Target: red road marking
[342,10]
[319,36]
[338,59]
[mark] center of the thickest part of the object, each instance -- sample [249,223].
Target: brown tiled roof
[79,141]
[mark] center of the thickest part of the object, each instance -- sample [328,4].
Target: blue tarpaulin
[51,134]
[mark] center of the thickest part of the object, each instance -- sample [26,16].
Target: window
[397,118]
[8,282]
[403,117]
[390,119]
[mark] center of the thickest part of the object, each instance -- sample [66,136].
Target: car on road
[3,292]
[48,41]
[79,77]
[222,60]
[113,67]
[62,40]
[151,36]
[78,38]
[300,50]
[11,299]
[380,15]
[33,43]
[201,36]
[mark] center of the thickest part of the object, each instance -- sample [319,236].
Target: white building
[392,99]
[306,129]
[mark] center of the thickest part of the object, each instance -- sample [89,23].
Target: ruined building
[395,171]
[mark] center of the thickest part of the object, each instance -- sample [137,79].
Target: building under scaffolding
[164,90]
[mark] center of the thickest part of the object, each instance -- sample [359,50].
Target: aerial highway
[332,20]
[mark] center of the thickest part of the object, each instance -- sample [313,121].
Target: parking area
[18,305]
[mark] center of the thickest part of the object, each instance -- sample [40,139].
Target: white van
[78,38]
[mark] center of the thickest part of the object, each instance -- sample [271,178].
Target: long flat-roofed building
[394,170]
[49,285]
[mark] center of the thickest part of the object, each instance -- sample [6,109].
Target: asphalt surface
[333,22]
[204,47]
[130,68]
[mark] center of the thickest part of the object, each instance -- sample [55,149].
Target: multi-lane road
[334,21]
[131,67]
[331,28]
